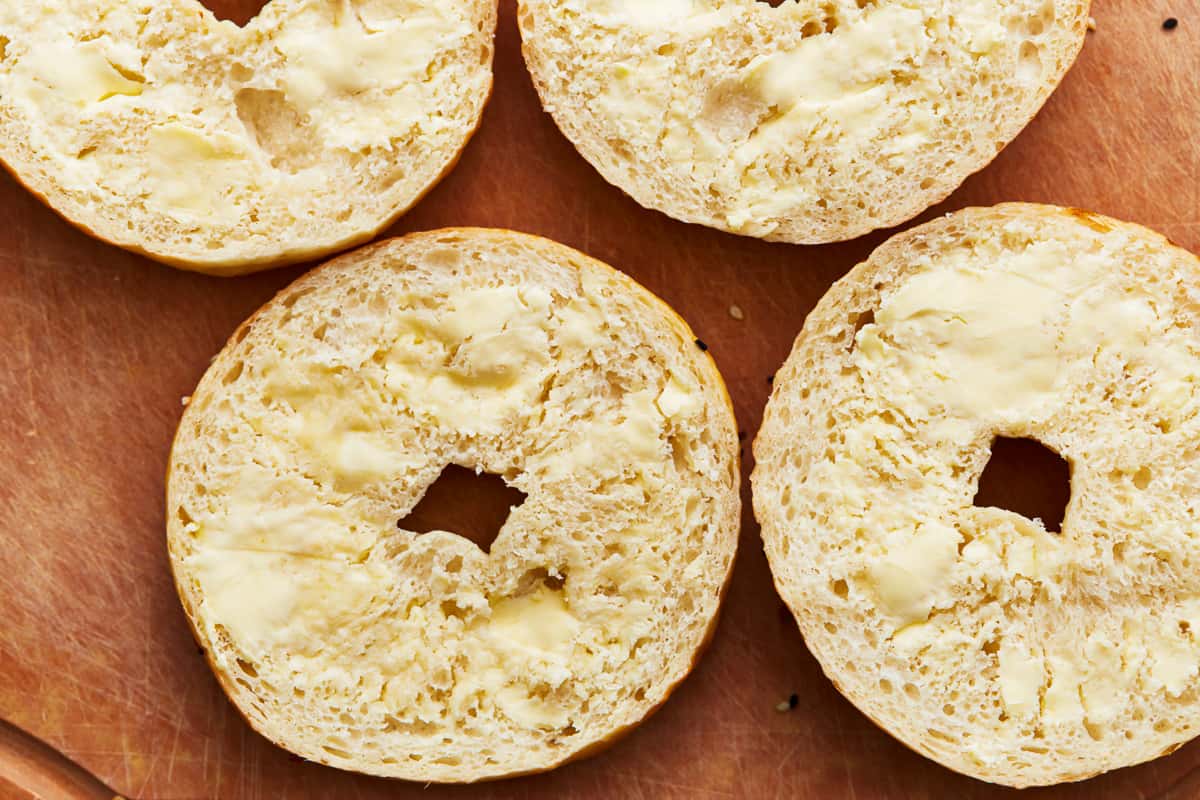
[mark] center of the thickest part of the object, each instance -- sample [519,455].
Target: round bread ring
[354,642]
[972,634]
[228,150]
[809,122]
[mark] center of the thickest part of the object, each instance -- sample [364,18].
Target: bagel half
[808,122]
[354,642]
[227,150]
[1002,650]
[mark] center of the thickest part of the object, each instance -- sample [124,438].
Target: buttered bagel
[223,149]
[976,636]
[353,641]
[810,121]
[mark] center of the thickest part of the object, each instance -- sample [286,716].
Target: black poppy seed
[793,701]
[703,347]
[1170,24]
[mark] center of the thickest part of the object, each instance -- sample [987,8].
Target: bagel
[807,122]
[352,641]
[973,634]
[226,150]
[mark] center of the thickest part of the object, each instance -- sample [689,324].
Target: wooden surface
[99,346]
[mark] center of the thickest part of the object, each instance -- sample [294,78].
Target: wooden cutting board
[99,346]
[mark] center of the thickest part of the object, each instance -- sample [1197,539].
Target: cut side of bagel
[807,122]
[353,641]
[226,150]
[973,634]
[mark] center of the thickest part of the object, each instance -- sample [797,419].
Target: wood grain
[99,347]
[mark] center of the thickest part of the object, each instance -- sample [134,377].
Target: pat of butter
[190,170]
[78,71]
[643,14]
[497,354]
[252,593]
[827,69]
[607,447]
[1175,661]
[908,579]
[330,65]
[276,567]
[345,58]
[1021,675]
[984,337]
[540,621]
[678,398]
[838,88]
[844,77]
[1062,702]
[359,457]
[1103,690]
[269,599]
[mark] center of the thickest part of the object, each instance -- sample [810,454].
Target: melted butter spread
[194,171]
[332,59]
[842,79]
[1021,676]
[909,576]
[998,341]
[648,15]
[293,562]
[78,71]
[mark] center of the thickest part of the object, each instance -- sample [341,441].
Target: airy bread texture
[227,150]
[354,642]
[974,635]
[812,121]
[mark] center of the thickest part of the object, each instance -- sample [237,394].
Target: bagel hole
[474,506]
[1027,478]
[239,12]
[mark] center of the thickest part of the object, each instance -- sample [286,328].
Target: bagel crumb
[183,401]
[1091,25]
[789,704]
[736,312]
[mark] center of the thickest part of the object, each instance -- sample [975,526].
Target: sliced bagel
[226,150]
[812,121]
[976,636]
[353,641]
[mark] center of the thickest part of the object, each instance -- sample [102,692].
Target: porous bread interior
[973,634]
[357,643]
[807,122]
[223,149]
